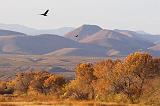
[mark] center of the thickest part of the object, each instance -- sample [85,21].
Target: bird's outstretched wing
[46,12]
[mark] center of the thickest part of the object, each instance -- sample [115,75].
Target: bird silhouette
[76,35]
[45,14]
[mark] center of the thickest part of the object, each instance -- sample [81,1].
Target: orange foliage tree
[137,69]
[81,87]
[103,71]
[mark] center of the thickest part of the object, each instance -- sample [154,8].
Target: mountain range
[33,31]
[92,40]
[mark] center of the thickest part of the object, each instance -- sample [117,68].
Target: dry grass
[63,104]
[25,98]
[50,101]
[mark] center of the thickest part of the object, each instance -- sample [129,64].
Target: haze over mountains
[32,31]
[92,41]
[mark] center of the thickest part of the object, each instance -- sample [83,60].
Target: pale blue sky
[111,14]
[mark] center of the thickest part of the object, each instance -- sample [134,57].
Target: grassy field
[49,101]
[65,104]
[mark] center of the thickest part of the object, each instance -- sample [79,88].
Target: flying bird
[76,35]
[45,14]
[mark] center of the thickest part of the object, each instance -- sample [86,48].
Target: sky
[141,15]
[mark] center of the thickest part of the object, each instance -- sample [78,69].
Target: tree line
[108,80]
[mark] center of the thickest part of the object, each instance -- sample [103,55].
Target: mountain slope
[122,43]
[155,50]
[39,44]
[85,51]
[140,35]
[10,33]
[156,47]
[44,44]
[83,31]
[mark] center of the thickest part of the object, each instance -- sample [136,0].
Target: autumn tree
[2,87]
[156,63]
[46,83]
[5,89]
[54,84]
[103,72]
[138,67]
[21,82]
[127,77]
[81,87]
[37,84]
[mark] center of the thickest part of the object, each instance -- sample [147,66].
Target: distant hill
[10,33]
[122,43]
[6,41]
[141,34]
[155,49]
[92,41]
[32,31]
[39,44]
[117,42]
[82,32]
[43,44]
